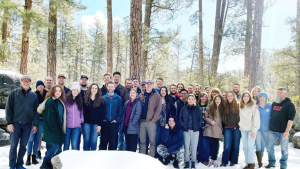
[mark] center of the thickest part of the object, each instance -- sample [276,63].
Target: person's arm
[137,114]
[200,120]
[158,108]
[290,117]
[256,123]
[287,130]
[81,116]
[9,108]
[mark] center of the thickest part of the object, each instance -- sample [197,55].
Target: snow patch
[297,134]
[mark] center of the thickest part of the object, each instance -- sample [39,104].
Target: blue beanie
[263,94]
[39,82]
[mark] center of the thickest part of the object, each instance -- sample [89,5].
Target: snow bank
[297,134]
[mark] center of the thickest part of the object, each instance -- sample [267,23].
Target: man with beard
[236,90]
[179,87]
[61,79]
[173,90]
[190,89]
[143,86]
[282,115]
[107,78]
[197,92]
[135,85]
[48,83]
[83,85]
[128,86]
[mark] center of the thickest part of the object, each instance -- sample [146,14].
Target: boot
[187,164]
[259,158]
[28,161]
[34,161]
[167,160]
[246,167]
[269,166]
[44,165]
[193,165]
[223,165]
[251,166]
[49,164]
[232,164]
[39,155]
[160,159]
[175,164]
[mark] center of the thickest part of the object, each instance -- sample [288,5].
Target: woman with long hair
[213,129]
[249,125]
[93,109]
[54,118]
[232,134]
[74,109]
[254,94]
[213,93]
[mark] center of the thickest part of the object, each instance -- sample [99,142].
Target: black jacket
[67,90]
[20,108]
[174,99]
[280,115]
[41,98]
[196,117]
[93,115]
[179,105]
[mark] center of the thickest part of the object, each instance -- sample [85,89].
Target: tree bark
[248,38]
[298,40]
[201,55]
[146,32]
[135,38]
[52,36]
[5,25]
[109,37]
[256,43]
[25,37]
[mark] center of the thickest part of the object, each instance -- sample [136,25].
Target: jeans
[73,135]
[90,136]
[190,140]
[121,141]
[150,128]
[232,138]
[52,149]
[203,148]
[34,140]
[109,136]
[248,147]
[158,138]
[21,134]
[284,143]
[261,141]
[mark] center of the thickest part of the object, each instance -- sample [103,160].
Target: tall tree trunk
[298,41]
[5,20]
[201,55]
[135,38]
[256,43]
[146,32]
[109,37]
[248,38]
[25,37]
[52,36]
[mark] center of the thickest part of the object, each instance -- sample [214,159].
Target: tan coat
[214,131]
[154,106]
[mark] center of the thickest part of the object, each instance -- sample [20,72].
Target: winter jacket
[41,98]
[174,99]
[74,115]
[53,129]
[134,124]
[249,118]
[93,115]
[104,91]
[20,108]
[214,131]
[173,141]
[196,117]
[280,115]
[154,105]
[265,114]
[179,105]
[113,108]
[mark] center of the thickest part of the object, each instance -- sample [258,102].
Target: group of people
[168,123]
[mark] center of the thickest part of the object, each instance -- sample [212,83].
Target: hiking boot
[34,161]
[251,166]
[167,160]
[187,164]
[39,155]
[259,159]
[28,161]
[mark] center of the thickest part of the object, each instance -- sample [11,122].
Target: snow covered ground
[129,160]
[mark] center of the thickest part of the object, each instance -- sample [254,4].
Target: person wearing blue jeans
[90,136]
[282,115]
[74,134]
[262,134]
[249,125]
[121,141]
[232,133]
[33,144]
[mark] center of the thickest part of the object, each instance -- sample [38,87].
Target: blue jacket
[197,117]
[172,141]
[113,108]
[134,124]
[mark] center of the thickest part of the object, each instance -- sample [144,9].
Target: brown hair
[52,91]
[235,104]
[107,74]
[201,95]
[132,89]
[259,90]
[214,90]
[213,107]
[98,97]
[250,102]
[159,79]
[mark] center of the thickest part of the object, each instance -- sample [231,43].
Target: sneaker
[193,165]
[269,166]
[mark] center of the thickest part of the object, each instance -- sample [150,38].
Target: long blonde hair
[250,102]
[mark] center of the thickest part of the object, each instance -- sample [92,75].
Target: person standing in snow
[282,115]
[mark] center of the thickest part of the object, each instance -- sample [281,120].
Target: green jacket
[53,130]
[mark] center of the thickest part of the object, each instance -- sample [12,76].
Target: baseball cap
[84,76]
[61,75]
[143,83]
[26,77]
[149,81]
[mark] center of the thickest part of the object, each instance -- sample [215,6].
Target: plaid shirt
[202,109]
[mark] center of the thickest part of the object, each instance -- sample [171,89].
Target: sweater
[265,114]
[280,115]
[113,108]
[74,115]
[231,120]
[249,118]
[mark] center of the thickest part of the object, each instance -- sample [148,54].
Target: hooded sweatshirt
[249,118]
[74,115]
[280,115]
[265,114]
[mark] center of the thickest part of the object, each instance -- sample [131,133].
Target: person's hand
[285,136]
[104,120]
[34,129]
[253,135]
[98,128]
[213,123]
[10,128]
[167,126]
[114,121]
[167,154]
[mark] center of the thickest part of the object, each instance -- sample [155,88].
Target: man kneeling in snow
[172,141]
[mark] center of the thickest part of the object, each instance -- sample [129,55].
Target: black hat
[84,76]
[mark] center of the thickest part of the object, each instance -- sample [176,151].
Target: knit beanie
[75,85]
[263,94]
[39,82]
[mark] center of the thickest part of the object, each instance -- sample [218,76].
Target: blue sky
[276,34]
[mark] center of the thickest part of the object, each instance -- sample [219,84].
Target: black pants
[21,134]
[109,135]
[214,147]
[131,140]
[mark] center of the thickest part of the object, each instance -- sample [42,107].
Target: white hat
[75,85]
